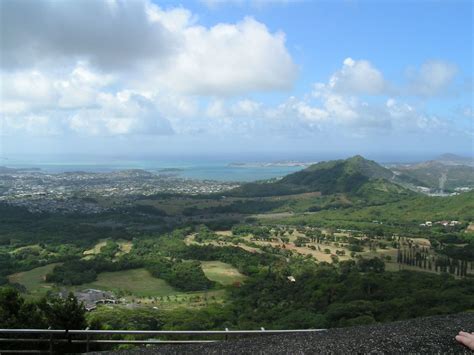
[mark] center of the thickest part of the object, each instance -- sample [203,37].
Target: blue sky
[225,77]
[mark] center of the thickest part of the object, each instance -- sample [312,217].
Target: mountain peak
[338,175]
[327,177]
[357,157]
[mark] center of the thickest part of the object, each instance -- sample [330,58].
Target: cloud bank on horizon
[127,69]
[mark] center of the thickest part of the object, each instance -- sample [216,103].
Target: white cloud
[31,124]
[228,59]
[130,67]
[26,88]
[433,78]
[246,108]
[123,113]
[109,34]
[78,102]
[127,67]
[358,77]
[146,45]
[405,117]
[27,91]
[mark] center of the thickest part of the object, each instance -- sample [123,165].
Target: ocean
[204,169]
[230,167]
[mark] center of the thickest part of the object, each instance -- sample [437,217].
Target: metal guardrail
[57,336]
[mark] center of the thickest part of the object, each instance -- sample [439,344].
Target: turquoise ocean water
[220,170]
[192,167]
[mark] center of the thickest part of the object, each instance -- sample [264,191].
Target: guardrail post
[69,339]
[262,329]
[87,341]
[226,336]
[50,342]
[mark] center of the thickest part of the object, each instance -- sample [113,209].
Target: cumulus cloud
[131,67]
[110,34]
[127,67]
[228,59]
[146,44]
[32,90]
[322,112]
[78,101]
[123,113]
[358,77]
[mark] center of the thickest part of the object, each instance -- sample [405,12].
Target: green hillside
[438,175]
[408,211]
[353,176]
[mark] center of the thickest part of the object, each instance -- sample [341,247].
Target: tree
[374,265]
[64,313]
[16,313]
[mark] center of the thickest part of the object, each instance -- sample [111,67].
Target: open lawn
[33,280]
[141,288]
[222,273]
[138,282]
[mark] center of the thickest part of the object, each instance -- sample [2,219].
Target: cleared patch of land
[470,227]
[124,245]
[191,239]
[222,273]
[96,249]
[136,286]
[34,280]
[196,299]
[138,282]
[275,215]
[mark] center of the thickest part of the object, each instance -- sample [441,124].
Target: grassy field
[137,285]
[141,288]
[138,282]
[33,280]
[221,272]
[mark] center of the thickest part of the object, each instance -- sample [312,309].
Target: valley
[165,254]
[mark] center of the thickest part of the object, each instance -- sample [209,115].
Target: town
[76,192]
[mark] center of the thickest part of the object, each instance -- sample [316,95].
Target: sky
[204,78]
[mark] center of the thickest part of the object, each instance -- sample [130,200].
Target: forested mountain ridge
[329,177]
[439,174]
